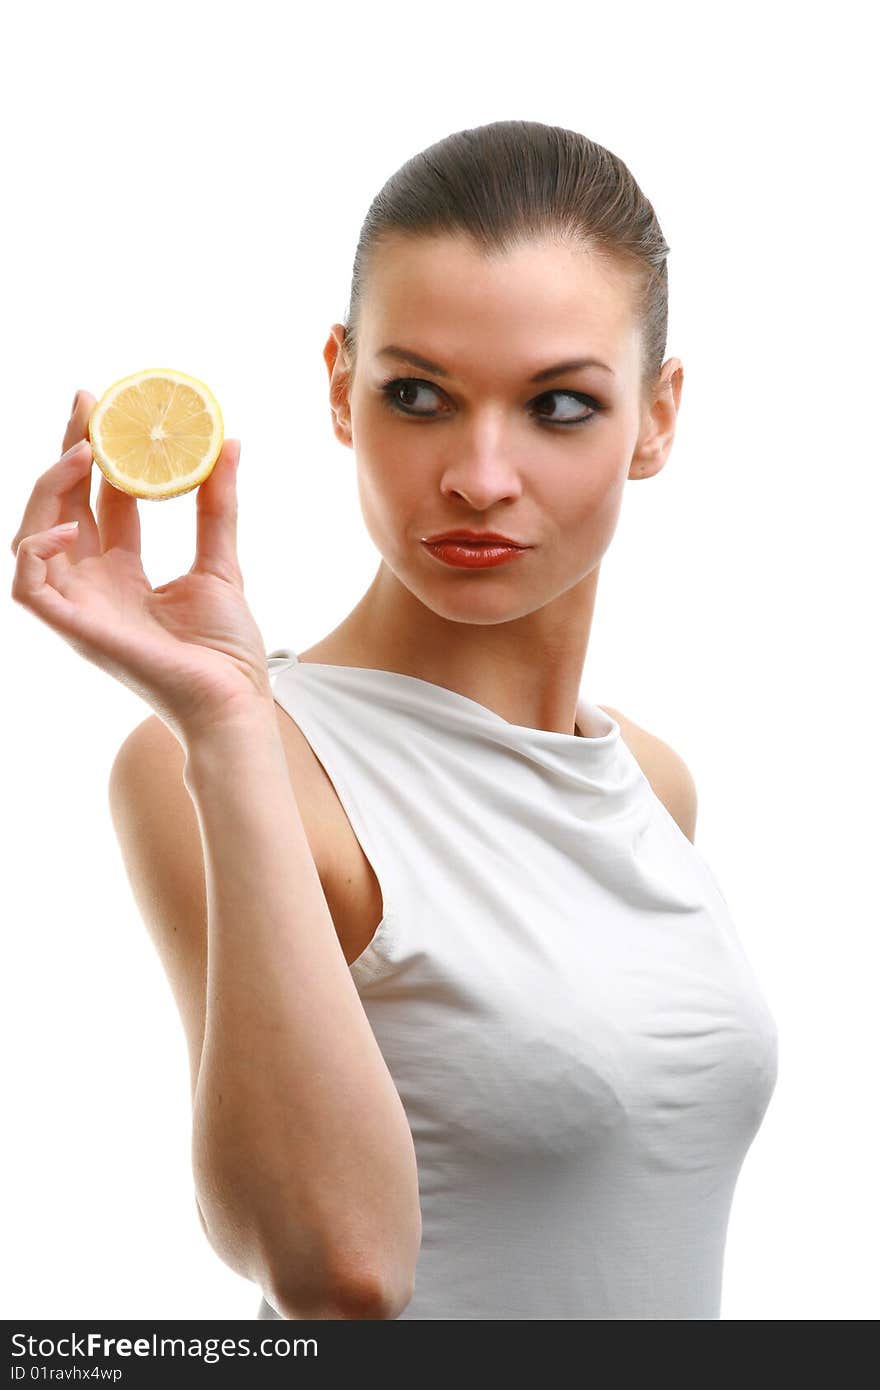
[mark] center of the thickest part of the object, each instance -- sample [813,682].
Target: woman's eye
[392,391]
[576,400]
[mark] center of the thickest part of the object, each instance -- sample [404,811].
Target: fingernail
[72,450]
[73,407]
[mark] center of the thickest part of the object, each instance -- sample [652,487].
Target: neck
[528,669]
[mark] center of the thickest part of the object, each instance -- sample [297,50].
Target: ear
[658,427]
[340,371]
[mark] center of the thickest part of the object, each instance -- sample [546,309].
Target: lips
[475,538]
[471,555]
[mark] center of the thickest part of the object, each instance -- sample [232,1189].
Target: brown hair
[511,181]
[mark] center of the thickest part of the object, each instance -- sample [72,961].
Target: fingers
[119,521]
[217,517]
[77,502]
[49,501]
[78,424]
[118,524]
[30,582]
[63,493]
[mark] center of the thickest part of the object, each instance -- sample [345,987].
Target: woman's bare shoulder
[350,885]
[151,745]
[666,770]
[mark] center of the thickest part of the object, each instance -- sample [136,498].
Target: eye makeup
[391,387]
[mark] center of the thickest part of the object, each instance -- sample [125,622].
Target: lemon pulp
[157,433]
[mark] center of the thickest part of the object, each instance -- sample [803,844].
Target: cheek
[588,494]
[392,498]
[393,482]
[390,478]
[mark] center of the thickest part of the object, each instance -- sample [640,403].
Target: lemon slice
[157,433]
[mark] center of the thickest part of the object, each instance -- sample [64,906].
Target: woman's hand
[190,648]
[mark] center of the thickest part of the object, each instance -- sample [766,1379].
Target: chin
[471,603]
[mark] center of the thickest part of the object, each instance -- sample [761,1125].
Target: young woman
[471,1032]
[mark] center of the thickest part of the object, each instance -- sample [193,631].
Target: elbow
[372,1296]
[352,1292]
[363,1278]
[306,1277]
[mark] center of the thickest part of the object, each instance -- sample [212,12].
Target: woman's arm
[303,1160]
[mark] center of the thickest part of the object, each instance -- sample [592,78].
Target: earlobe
[341,416]
[341,426]
[646,467]
[340,404]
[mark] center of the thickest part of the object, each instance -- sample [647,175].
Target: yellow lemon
[157,433]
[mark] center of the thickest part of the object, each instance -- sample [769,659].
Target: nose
[482,471]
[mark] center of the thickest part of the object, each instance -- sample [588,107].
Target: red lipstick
[464,533]
[468,549]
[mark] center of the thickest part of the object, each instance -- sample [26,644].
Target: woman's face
[473,441]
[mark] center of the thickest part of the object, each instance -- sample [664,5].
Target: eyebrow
[546,373]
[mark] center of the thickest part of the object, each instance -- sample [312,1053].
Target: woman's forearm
[302,1154]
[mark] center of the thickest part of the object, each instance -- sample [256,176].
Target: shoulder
[666,770]
[152,760]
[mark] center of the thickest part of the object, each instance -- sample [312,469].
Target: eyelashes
[389,389]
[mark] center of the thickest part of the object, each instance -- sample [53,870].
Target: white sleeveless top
[579,1042]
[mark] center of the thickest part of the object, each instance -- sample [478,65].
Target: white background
[184,186]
